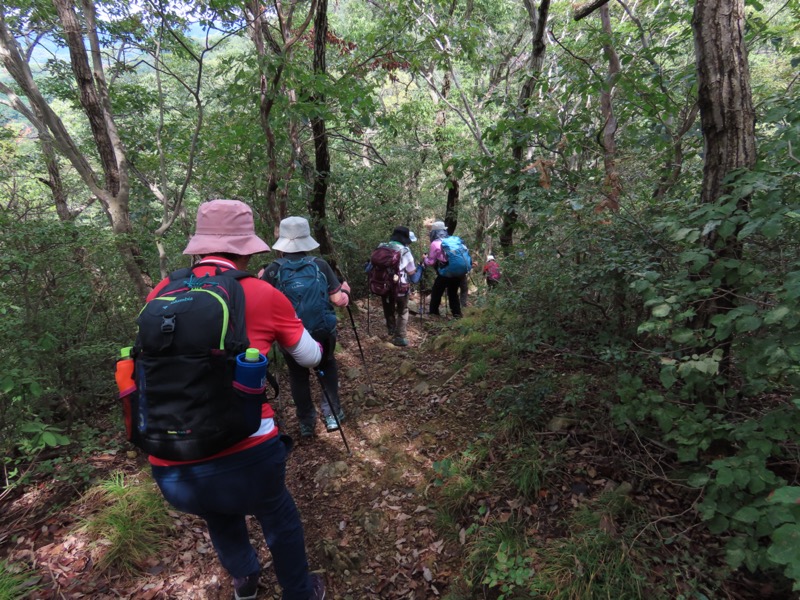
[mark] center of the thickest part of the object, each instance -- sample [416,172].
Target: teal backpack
[459,262]
[307,288]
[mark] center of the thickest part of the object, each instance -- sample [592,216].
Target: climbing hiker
[491,272]
[313,288]
[247,476]
[452,261]
[391,272]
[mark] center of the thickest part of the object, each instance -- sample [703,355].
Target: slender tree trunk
[271,81]
[674,164]
[445,156]
[317,206]
[612,185]
[537,20]
[481,246]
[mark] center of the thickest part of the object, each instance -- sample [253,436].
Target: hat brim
[303,244]
[243,245]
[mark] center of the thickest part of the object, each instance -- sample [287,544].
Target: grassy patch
[129,521]
[17,581]
[499,557]
[596,560]
[527,471]
[461,480]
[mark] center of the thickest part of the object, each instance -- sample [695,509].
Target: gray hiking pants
[395,311]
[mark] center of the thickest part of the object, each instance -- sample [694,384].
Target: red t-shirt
[269,317]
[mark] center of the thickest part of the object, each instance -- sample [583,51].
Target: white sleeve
[407,261]
[306,352]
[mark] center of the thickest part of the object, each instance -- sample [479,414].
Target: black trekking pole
[319,375]
[361,350]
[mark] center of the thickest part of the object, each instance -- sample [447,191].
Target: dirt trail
[368,521]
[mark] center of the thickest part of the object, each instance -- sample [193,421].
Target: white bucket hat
[295,236]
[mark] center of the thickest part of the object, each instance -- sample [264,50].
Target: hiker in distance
[313,288]
[247,476]
[452,261]
[391,272]
[491,272]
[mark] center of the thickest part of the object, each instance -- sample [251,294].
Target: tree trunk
[451,181]
[537,20]
[271,83]
[114,192]
[611,185]
[317,206]
[728,122]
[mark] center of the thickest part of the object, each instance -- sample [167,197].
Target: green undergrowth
[17,581]
[505,498]
[128,522]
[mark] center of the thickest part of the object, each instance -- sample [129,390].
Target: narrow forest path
[369,522]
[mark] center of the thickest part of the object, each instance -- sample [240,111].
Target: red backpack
[384,274]
[492,271]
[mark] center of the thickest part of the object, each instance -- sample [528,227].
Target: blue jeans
[224,490]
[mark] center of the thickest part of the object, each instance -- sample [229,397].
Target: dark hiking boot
[317,587]
[307,430]
[245,588]
[398,341]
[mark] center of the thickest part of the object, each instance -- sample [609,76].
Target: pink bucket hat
[225,226]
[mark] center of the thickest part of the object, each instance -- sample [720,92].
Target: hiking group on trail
[193,385]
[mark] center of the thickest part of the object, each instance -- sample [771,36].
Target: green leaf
[785,495]
[668,377]
[49,439]
[746,324]
[747,514]
[724,477]
[697,479]
[662,310]
[776,315]
[682,336]
[718,524]
[785,548]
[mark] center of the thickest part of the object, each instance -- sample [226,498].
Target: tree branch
[585,10]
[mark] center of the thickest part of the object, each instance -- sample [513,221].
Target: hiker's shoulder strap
[180,273]
[235,273]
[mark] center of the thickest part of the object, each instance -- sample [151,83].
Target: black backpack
[307,289]
[186,406]
[384,272]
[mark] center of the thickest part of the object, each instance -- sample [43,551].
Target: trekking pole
[421,304]
[319,375]
[358,341]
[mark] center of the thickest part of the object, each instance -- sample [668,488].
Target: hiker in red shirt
[491,272]
[247,478]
